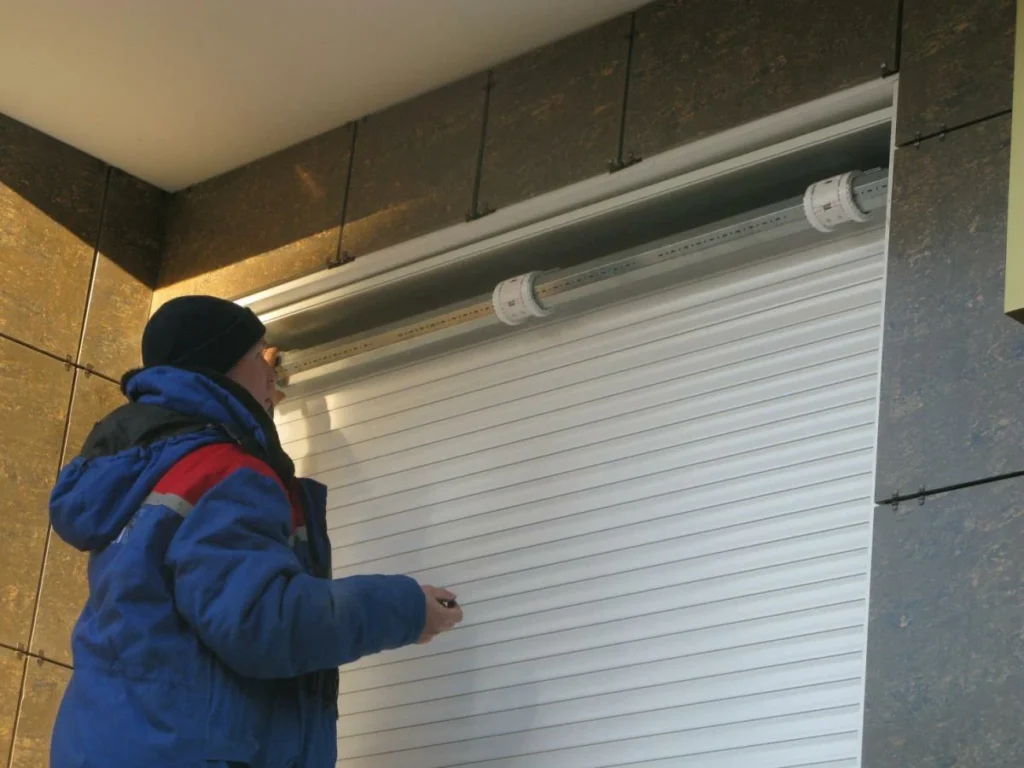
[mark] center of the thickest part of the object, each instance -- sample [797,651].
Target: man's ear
[272,355]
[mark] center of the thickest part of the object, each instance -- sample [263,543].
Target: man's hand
[439,618]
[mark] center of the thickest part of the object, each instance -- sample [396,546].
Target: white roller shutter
[656,516]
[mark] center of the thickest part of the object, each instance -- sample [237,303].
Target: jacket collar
[214,398]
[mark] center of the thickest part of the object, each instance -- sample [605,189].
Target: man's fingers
[449,617]
[443,612]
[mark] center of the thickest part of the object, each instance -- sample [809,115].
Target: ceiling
[178,91]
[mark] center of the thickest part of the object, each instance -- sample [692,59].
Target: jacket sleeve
[240,586]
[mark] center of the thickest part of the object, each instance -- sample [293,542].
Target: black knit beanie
[200,332]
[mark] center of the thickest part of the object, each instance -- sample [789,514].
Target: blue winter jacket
[209,637]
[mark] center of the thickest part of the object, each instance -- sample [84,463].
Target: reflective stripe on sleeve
[174,503]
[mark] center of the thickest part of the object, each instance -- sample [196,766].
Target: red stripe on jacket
[199,471]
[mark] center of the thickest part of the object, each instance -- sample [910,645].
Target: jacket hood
[171,412]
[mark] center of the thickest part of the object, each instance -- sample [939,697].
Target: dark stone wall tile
[956,64]
[126,274]
[952,362]
[12,669]
[555,115]
[44,689]
[415,167]
[50,203]
[703,66]
[266,223]
[34,394]
[945,668]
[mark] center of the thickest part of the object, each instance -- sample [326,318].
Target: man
[213,630]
